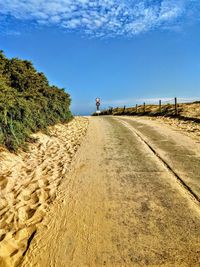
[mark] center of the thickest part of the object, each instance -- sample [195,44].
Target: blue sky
[124,51]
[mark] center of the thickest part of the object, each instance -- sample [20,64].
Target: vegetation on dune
[27,102]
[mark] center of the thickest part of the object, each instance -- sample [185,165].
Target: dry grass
[190,111]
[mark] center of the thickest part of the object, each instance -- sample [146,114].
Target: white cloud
[99,17]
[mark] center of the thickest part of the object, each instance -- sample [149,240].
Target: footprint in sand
[2,237]
[43,182]
[3,182]
[29,188]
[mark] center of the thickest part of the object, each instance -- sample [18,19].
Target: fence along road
[141,108]
[120,205]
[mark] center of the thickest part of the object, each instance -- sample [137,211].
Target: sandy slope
[29,184]
[187,110]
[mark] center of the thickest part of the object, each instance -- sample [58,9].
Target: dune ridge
[29,183]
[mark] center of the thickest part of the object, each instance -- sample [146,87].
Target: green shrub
[27,102]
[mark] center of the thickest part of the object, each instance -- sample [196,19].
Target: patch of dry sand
[29,183]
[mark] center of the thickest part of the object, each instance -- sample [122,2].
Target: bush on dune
[27,102]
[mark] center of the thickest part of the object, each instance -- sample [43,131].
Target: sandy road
[121,205]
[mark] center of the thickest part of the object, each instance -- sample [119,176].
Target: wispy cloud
[99,17]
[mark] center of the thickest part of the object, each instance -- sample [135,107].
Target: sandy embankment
[29,183]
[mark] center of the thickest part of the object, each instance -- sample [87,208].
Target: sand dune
[29,183]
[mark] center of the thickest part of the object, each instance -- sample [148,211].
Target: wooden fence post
[136,108]
[160,106]
[124,109]
[144,107]
[176,106]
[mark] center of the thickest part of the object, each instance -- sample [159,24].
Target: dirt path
[119,206]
